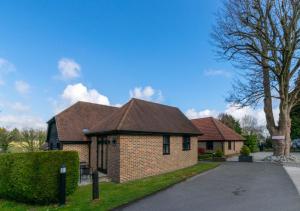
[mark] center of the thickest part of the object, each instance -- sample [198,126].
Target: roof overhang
[218,140]
[130,132]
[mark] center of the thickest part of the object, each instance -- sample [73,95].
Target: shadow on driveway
[231,187]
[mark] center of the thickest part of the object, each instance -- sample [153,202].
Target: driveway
[259,156]
[231,187]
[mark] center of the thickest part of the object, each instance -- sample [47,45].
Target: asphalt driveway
[233,186]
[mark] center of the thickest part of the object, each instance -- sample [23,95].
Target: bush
[205,156]
[34,176]
[219,153]
[252,142]
[245,151]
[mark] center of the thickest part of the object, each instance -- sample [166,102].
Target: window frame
[166,146]
[229,145]
[210,143]
[186,143]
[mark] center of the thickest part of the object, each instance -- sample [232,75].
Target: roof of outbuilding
[146,117]
[214,130]
[82,115]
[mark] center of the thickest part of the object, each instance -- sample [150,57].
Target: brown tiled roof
[143,116]
[81,115]
[214,130]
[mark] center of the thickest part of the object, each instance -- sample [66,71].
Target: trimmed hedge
[33,177]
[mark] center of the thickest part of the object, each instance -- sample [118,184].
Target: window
[229,145]
[186,143]
[209,145]
[166,145]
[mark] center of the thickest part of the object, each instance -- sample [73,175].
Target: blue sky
[53,53]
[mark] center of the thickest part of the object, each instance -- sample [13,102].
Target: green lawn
[113,195]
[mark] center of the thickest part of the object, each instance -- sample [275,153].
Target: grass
[113,195]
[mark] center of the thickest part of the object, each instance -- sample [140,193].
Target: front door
[102,154]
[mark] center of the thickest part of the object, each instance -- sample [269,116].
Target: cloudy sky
[54,53]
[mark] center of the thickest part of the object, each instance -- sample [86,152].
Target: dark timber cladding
[52,135]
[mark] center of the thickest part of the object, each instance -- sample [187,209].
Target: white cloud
[5,68]
[79,92]
[146,93]
[193,114]
[69,69]
[118,105]
[19,107]
[235,111]
[10,121]
[22,87]
[259,114]
[217,72]
[16,107]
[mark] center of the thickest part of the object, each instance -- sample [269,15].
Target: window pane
[186,143]
[166,144]
[229,145]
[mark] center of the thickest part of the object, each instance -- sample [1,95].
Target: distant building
[217,135]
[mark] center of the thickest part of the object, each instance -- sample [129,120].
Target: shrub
[219,153]
[252,142]
[205,156]
[34,176]
[245,151]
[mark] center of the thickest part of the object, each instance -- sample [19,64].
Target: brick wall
[235,147]
[82,149]
[142,156]
[216,145]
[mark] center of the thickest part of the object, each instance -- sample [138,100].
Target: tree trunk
[288,137]
[282,147]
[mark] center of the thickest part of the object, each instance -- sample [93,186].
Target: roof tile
[214,130]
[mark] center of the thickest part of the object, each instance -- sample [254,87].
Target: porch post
[93,151]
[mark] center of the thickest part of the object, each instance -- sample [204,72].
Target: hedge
[33,177]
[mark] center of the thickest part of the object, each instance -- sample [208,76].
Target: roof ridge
[214,121]
[96,104]
[156,103]
[125,115]
[201,118]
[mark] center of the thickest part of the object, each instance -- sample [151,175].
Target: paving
[294,173]
[259,156]
[233,186]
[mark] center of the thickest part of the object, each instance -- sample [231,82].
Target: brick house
[139,139]
[217,135]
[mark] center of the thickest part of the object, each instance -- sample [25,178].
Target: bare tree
[250,126]
[32,140]
[262,38]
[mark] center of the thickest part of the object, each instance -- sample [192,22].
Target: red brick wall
[142,156]
[82,149]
